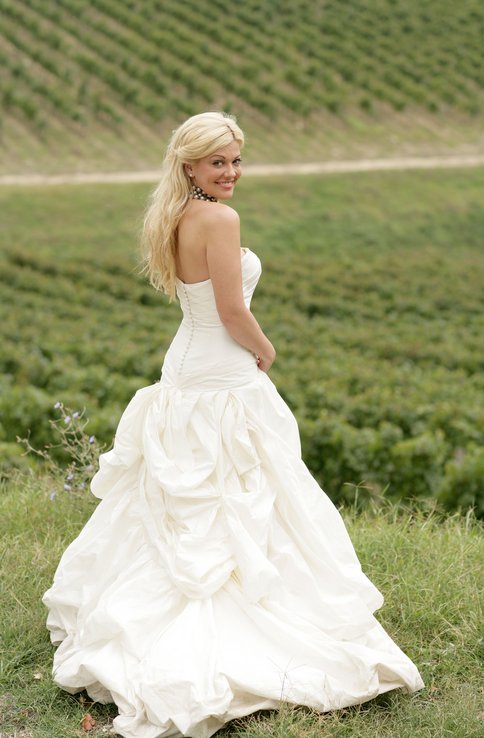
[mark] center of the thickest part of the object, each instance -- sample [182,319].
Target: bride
[215,577]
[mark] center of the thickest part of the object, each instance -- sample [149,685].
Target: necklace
[198,194]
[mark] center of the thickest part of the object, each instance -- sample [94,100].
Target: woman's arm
[222,234]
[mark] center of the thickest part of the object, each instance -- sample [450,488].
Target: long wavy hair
[199,136]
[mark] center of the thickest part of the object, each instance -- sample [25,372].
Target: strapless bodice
[203,355]
[197,299]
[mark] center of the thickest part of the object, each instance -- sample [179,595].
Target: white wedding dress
[215,577]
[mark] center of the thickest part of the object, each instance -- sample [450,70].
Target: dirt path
[257,170]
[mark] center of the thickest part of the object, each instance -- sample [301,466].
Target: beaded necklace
[198,194]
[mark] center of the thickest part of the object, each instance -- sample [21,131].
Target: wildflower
[70,476]
[67,486]
[52,495]
[67,419]
[75,415]
[89,467]
[82,485]
[57,405]
[92,439]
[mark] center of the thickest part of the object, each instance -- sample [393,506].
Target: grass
[370,291]
[427,568]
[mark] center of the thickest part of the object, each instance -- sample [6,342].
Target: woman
[215,578]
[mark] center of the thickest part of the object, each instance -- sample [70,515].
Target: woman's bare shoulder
[215,213]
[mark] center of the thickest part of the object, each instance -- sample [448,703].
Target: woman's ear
[188,170]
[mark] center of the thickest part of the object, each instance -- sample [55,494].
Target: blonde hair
[199,136]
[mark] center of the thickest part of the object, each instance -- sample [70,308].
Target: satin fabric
[215,577]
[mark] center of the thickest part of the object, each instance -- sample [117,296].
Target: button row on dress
[192,328]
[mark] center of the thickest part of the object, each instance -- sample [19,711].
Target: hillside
[90,85]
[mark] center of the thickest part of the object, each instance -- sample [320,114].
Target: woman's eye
[219,163]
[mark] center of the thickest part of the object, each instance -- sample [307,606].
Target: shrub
[417,465]
[463,484]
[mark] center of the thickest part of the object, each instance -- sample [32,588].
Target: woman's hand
[265,361]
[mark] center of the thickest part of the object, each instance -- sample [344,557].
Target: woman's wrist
[267,353]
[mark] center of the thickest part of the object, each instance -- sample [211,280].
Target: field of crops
[124,70]
[370,292]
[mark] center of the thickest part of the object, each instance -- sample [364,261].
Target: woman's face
[218,173]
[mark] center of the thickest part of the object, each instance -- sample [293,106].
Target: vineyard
[370,291]
[79,73]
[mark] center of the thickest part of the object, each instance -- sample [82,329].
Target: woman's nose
[232,171]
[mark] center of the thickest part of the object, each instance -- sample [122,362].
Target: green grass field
[427,569]
[371,292]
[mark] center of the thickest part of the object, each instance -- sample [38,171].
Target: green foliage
[12,459]
[463,481]
[417,463]
[80,63]
[370,292]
